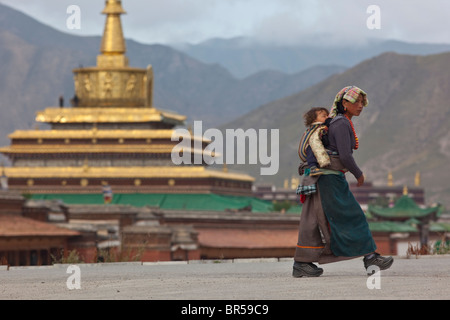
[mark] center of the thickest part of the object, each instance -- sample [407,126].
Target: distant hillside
[36,65]
[404,129]
[244,56]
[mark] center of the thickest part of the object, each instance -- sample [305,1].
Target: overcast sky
[280,21]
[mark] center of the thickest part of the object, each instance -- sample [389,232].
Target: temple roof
[15,225]
[405,227]
[108,115]
[97,149]
[403,209]
[189,202]
[391,226]
[90,133]
[123,172]
[101,134]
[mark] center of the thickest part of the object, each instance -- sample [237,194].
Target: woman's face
[353,109]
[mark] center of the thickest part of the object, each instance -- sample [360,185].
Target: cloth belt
[332,153]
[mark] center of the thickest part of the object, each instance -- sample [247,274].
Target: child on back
[315,120]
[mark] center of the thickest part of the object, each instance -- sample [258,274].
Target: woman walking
[333,226]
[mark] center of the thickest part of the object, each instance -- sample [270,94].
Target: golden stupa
[111,135]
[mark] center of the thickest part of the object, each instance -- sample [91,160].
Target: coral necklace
[354,133]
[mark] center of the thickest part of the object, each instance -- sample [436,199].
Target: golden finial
[85,165]
[405,190]
[113,41]
[3,178]
[294,182]
[149,87]
[390,179]
[417,179]
[94,133]
[113,7]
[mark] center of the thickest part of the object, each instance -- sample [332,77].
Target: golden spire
[113,41]
[390,179]
[294,182]
[112,83]
[113,46]
[405,190]
[417,179]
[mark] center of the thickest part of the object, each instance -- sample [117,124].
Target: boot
[376,260]
[306,269]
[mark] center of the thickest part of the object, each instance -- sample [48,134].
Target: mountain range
[243,56]
[404,129]
[36,64]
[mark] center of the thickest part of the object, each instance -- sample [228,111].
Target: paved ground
[256,280]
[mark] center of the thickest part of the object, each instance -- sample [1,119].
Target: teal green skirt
[350,233]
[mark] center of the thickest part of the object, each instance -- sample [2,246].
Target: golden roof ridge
[124,172]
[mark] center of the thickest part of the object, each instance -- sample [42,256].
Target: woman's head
[350,99]
[353,108]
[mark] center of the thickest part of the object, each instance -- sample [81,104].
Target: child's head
[318,114]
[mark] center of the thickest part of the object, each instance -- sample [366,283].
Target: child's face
[321,116]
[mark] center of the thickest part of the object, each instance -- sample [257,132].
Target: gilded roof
[94,148]
[94,133]
[106,115]
[123,172]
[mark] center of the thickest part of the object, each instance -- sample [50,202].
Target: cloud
[169,20]
[148,21]
[54,13]
[417,21]
[279,21]
[345,21]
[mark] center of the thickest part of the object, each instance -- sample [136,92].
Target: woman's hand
[360,181]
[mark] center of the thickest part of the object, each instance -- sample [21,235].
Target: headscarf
[350,93]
